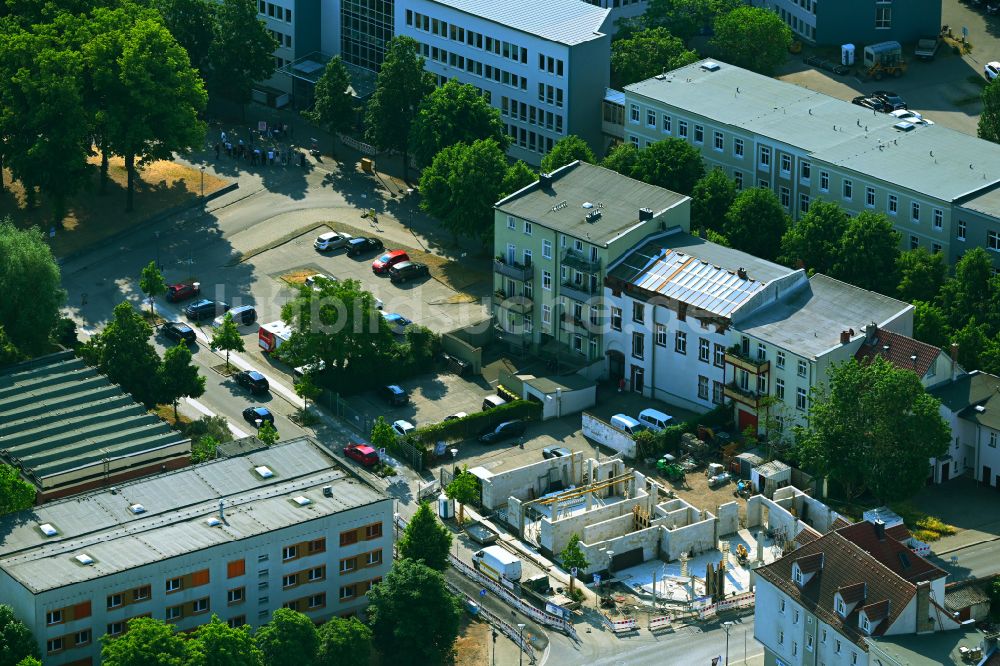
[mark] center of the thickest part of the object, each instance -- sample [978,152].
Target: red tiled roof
[898,532]
[807,535]
[891,553]
[810,563]
[899,350]
[852,594]
[877,611]
[839,522]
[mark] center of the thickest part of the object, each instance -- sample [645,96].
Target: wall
[556,534]
[819,516]
[647,539]
[608,435]
[585,89]
[531,481]
[729,518]
[457,343]
[854,21]
[694,538]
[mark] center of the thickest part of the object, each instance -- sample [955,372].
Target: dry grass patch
[166,412]
[298,278]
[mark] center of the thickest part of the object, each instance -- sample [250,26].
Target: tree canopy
[972,290]
[192,23]
[989,119]
[426,539]
[868,253]
[454,113]
[673,164]
[217,644]
[645,54]
[148,642]
[686,18]
[33,294]
[756,223]
[16,640]
[752,37]
[227,337]
[565,151]
[344,641]
[573,558]
[122,351]
[622,159]
[711,199]
[242,51]
[921,275]
[335,107]
[177,377]
[814,242]
[151,283]
[289,638]
[464,489]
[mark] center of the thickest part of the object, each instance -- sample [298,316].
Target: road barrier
[621,626]
[660,622]
[745,600]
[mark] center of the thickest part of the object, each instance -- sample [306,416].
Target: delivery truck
[273,335]
[497,563]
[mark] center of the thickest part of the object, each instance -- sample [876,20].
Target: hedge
[478,422]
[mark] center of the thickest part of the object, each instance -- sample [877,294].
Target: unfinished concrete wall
[555,534]
[809,509]
[608,529]
[531,481]
[604,433]
[514,513]
[786,510]
[729,518]
[694,538]
[647,539]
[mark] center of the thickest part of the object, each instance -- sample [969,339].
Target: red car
[183,291]
[363,453]
[388,260]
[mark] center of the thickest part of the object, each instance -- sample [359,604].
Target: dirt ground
[694,490]
[472,646]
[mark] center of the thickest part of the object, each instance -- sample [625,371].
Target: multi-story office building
[295,27]
[238,537]
[545,66]
[554,240]
[939,187]
[859,22]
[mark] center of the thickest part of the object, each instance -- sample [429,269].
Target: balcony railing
[517,304]
[753,365]
[581,262]
[578,292]
[513,270]
[743,396]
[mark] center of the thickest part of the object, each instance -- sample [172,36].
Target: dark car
[254,414]
[891,100]
[394,395]
[205,309]
[505,430]
[556,452]
[407,270]
[870,103]
[183,291]
[179,331]
[363,245]
[253,380]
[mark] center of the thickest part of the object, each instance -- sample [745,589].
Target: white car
[402,428]
[908,116]
[992,70]
[331,241]
[311,280]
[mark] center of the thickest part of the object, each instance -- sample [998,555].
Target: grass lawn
[91,217]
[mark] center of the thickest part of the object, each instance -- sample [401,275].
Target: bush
[216,427]
[479,422]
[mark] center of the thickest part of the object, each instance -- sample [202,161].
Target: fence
[511,631]
[745,600]
[620,626]
[361,147]
[659,622]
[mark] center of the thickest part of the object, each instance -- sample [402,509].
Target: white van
[627,423]
[654,420]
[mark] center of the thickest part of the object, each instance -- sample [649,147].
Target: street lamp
[520,644]
[202,181]
[495,634]
[158,264]
[726,626]
[259,422]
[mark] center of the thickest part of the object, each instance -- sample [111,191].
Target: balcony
[749,398]
[578,292]
[753,365]
[520,338]
[517,304]
[513,270]
[581,262]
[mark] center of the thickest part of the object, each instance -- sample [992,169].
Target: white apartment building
[968,404]
[239,537]
[544,66]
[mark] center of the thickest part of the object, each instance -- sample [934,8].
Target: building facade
[859,22]
[971,406]
[238,537]
[544,67]
[295,27]
[937,186]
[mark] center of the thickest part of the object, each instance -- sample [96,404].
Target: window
[173,584]
[765,158]
[704,350]
[374,557]
[595,351]
[174,612]
[633,112]
[883,16]
[781,637]
[347,592]
[114,600]
[546,249]
[938,218]
[719,359]
[142,593]
[661,335]
[893,204]
[54,645]
[804,203]
[718,141]
[263,558]
[993,439]
[795,648]
[511,224]
[54,617]
[786,197]
[527,228]
[682,129]
[824,181]
[680,342]
[318,573]
[634,139]
[235,596]
[317,601]
[578,343]
[805,172]
[702,387]
[802,368]
[836,647]
[373,531]
[82,638]
[290,580]
[616,319]
[638,345]
[935,248]
[795,617]
[200,605]
[779,389]
[786,165]
[289,552]
[800,399]
[915,211]
[779,359]
[914,242]
[717,392]
[238,621]
[699,134]
[738,179]
[961,230]
[115,628]
[809,640]
[761,384]
[781,605]
[651,118]
[638,312]
[547,280]
[547,316]
[848,190]
[870,196]
[348,564]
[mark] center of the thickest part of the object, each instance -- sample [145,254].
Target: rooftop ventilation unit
[593,216]
[137,509]
[327,491]
[264,472]
[48,530]
[302,500]
[213,522]
[84,559]
[588,205]
[710,66]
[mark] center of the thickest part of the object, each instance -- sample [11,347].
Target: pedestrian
[229,148]
[222,136]
[218,149]
[270,157]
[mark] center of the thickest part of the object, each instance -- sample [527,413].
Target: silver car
[331,241]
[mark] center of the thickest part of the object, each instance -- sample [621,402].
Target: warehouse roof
[562,21]
[59,414]
[932,160]
[260,493]
[579,189]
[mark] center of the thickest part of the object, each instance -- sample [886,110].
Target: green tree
[518,175]
[868,253]
[267,434]
[29,309]
[686,18]
[973,342]
[344,641]
[242,50]
[217,644]
[227,337]
[929,324]
[711,199]
[754,38]
[972,290]
[16,494]
[204,448]
[400,87]
[566,151]
[178,377]
[572,557]
[756,223]
[122,351]
[148,642]
[989,119]
[192,23]
[30,661]
[461,185]
[408,637]
[307,389]
[921,275]
[152,284]
[622,159]
[464,489]
[673,164]
[382,435]
[289,638]
[454,113]
[425,539]
[645,54]
[814,241]
[335,107]
[16,640]
[216,427]
[873,427]
[9,354]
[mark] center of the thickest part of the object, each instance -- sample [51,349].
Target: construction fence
[745,600]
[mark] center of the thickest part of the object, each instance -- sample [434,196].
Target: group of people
[248,152]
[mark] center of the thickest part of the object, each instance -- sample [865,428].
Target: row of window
[474,67]
[282,38]
[476,40]
[577,245]
[529,139]
[531,114]
[274,11]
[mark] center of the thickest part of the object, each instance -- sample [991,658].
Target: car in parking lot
[454,417]
[363,245]
[205,309]
[891,100]
[331,240]
[394,394]
[254,414]
[992,70]
[363,453]
[505,430]
[382,265]
[179,331]
[254,381]
[402,428]
[243,315]
[397,322]
[407,270]
[556,452]
[311,281]
[908,116]
[183,291]
[870,103]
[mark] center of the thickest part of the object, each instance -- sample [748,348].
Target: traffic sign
[573,571]
[482,592]
[597,579]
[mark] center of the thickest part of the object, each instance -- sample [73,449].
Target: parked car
[556,452]
[402,428]
[183,291]
[870,103]
[363,245]
[254,414]
[388,260]
[892,101]
[331,241]
[911,117]
[253,380]
[179,331]
[505,430]
[363,453]
[394,394]
[311,280]
[205,309]
[244,315]
[397,323]
[992,70]
[927,47]
[407,270]
[455,416]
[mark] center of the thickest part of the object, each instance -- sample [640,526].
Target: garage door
[627,559]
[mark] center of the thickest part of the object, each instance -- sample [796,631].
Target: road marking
[239,434]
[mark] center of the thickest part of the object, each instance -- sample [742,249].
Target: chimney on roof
[545,180]
[879,530]
[925,623]
[742,273]
[845,337]
[913,360]
[645,214]
[871,332]
[954,360]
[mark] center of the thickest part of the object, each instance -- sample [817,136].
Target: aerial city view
[495,332]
